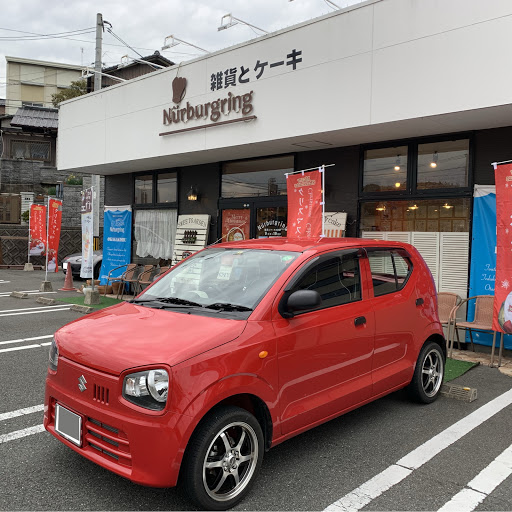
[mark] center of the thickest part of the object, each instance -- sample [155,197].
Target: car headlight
[53,356]
[148,389]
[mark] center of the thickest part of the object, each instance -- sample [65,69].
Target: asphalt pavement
[344,464]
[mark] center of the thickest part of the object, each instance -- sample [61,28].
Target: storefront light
[447,206]
[193,195]
[397,163]
[413,207]
[381,207]
[397,184]
[433,164]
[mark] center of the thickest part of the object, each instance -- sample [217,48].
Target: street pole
[95,179]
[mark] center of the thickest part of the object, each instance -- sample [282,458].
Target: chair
[161,270]
[133,279]
[128,272]
[482,321]
[144,279]
[446,302]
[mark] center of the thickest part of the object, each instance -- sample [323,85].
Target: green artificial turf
[105,301]
[455,368]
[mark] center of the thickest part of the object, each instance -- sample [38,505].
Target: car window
[390,270]
[336,279]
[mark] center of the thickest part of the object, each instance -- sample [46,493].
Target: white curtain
[155,231]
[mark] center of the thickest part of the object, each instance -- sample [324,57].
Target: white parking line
[21,412]
[24,347]
[21,340]
[32,311]
[4,282]
[4,438]
[30,292]
[482,485]
[371,489]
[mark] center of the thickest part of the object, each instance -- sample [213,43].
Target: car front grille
[111,442]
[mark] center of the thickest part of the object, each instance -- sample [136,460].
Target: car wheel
[428,374]
[223,458]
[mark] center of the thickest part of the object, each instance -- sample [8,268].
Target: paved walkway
[484,359]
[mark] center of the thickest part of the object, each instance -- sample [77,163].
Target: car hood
[127,335]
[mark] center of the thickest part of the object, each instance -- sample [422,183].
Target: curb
[46,300]
[19,295]
[81,309]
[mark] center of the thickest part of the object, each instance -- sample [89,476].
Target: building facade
[395,97]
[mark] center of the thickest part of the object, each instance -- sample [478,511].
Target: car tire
[428,375]
[222,458]
[96,271]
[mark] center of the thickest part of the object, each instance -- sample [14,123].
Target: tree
[76,88]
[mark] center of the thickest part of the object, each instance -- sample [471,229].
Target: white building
[409,99]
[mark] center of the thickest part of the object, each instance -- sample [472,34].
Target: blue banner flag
[483,256]
[117,242]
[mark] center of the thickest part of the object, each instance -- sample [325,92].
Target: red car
[238,348]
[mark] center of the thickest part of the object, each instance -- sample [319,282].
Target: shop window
[385,169]
[166,187]
[256,178]
[443,165]
[434,215]
[144,189]
[31,150]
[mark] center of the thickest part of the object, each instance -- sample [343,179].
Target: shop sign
[235,225]
[86,267]
[210,110]
[243,75]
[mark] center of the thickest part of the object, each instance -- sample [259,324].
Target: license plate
[68,425]
[65,265]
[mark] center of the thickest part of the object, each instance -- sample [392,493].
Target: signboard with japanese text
[117,242]
[502,318]
[37,230]
[236,225]
[305,200]
[87,266]
[54,225]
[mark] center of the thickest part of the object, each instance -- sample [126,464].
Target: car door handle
[419,302]
[360,320]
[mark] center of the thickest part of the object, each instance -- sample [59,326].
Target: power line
[111,32]
[37,37]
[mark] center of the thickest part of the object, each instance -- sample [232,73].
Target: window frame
[411,191]
[301,272]
[402,252]
[154,183]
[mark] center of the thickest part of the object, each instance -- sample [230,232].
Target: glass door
[253,218]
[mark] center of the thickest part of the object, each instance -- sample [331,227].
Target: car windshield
[221,279]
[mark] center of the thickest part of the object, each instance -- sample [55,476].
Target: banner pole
[47,232]
[29,232]
[92,269]
[322,170]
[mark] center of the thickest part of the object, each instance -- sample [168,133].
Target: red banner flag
[305,200]
[502,318]
[37,230]
[54,223]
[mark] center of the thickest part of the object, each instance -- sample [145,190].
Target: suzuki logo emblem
[82,383]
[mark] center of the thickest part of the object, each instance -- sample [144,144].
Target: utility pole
[95,179]
[97,60]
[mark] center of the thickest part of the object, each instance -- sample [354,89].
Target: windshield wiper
[168,300]
[226,306]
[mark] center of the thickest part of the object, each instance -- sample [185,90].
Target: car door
[325,354]
[397,316]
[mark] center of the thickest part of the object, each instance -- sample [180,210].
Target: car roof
[302,245]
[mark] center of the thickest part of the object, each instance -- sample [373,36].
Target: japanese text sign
[37,230]
[54,224]
[305,200]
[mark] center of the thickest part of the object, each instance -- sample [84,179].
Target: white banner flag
[86,268]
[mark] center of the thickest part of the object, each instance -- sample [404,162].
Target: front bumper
[140,445]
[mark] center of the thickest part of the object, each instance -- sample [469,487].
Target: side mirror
[302,300]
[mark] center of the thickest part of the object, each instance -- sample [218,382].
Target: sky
[142,25]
